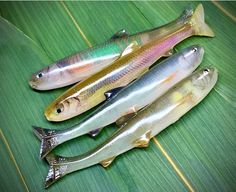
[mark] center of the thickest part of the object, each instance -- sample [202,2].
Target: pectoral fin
[107,162]
[169,53]
[143,141]
[111,93]
[133,46]
[120,34]
[131,112]
[122,120]
[95,132]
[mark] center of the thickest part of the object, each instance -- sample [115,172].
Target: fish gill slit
[77,99]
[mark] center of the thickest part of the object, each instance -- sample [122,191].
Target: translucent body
[141,128]
[90,92]
[84,64]
[130,99]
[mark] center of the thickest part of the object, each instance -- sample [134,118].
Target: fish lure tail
[198,22]
[39,132]
[52,159]
[53,175]
[48,139]
[56,171]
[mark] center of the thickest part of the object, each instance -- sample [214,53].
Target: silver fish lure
[140,129]
[120,107]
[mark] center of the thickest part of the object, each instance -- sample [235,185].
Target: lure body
[90,92]
[79,67]
[140,129]
[120,107]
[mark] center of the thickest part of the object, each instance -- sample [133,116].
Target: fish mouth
[53,119]
[33,84]
[48,115]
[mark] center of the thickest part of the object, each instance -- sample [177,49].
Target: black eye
[40,75]
[58,110]
[206,70]
[194,49]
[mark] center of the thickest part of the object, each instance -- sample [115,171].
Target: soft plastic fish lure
[140,129]
[82,65]
[122,106]
[90,92]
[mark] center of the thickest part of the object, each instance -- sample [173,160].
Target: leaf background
[201,145]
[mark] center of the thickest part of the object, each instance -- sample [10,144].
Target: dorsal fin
[111,93]
[107,162]
[169,53]
[131,112]
[95,132]
[120,34]
[143,141]
[133,46]
[122,120]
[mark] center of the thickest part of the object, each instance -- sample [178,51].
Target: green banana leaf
[196,153]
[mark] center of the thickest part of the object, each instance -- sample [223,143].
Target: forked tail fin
[56,171]
[53,176]
[52,159]
[198,22]
[48,139]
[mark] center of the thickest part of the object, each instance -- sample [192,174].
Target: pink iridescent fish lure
[84,64]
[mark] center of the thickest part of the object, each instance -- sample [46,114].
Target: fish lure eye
[39,75]
[59,109]
[194,49]
[206,70]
